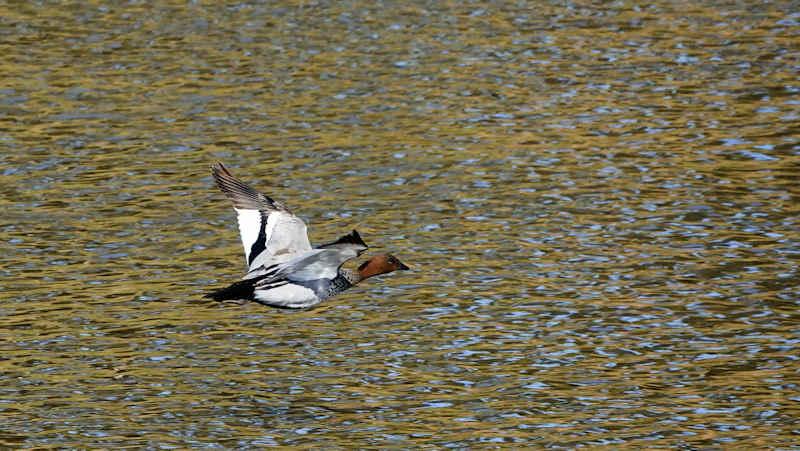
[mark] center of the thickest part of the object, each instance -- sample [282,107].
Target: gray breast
[326,288]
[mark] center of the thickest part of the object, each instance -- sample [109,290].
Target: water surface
[600,206]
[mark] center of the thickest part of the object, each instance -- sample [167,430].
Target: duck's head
[380,264]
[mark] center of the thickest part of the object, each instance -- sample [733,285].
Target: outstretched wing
[351,242]
[269,231]
[310,266]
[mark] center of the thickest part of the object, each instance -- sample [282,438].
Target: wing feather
[313,265]
[267,228]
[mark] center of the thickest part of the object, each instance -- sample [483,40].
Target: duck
[283,270]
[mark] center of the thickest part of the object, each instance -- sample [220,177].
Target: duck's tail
[242,289]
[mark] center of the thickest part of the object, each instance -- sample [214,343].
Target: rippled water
[600,207]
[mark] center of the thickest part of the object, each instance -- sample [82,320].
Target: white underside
[290,296]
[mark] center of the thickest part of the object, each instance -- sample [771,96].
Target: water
[600,207]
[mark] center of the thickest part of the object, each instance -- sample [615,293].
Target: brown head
[380,264]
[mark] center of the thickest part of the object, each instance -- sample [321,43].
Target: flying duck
[283,269]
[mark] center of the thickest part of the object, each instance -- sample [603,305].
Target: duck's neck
[352,277]
[341,282]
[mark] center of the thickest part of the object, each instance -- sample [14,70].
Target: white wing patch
[272,221]
[284,236]
[249,226]
[290,234]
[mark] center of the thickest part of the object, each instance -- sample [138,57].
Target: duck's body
[283,270]
[287,294]
[291,294]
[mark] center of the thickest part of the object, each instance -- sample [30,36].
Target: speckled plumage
[346,279]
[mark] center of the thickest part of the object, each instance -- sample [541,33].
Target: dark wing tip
[355,238]
[351,238]
[242,194]
[217,169]
[223,176]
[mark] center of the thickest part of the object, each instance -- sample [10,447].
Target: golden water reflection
[600,206]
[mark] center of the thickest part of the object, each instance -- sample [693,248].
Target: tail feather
[242,289]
